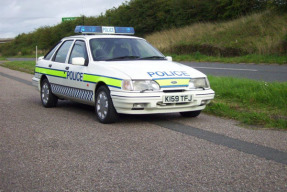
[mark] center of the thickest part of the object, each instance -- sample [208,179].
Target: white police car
[118,73]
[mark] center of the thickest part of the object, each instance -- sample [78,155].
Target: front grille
[173,91]
[161,104]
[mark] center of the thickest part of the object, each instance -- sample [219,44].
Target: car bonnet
[154,69]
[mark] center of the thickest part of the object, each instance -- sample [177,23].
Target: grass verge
[21,56]
[251,58]
[24,66]
[250,102]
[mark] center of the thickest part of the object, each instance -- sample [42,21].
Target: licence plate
[177,99]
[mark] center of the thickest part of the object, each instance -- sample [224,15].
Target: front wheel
[105,110]
[47,97]
[190,113]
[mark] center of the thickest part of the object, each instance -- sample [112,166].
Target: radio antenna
[83,11]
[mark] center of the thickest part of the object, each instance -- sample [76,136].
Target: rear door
[56,67]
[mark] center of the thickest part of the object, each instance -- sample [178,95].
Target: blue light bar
[104,30]
[88,29]
[125,30]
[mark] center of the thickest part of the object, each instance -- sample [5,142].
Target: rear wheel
[47,97]
[105,110]
[190,113]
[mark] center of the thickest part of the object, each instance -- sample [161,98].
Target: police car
[116,72]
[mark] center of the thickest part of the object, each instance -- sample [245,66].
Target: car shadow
[83,109]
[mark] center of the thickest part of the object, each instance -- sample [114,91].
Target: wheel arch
[99,84]
[42,78]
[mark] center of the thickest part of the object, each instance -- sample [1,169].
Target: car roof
[88,37]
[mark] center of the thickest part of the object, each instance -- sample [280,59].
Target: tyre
[47,97]
[190,113]
[104,107]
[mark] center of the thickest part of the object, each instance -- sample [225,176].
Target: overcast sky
[24,16]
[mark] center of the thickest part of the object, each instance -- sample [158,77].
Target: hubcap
[102,105]
[45,93]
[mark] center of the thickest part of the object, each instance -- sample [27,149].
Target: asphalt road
[66,149]
[268,73]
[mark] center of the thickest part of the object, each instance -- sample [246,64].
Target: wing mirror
[40,58]
[78,61]
[169,58]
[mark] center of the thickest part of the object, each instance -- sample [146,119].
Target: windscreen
[114,49]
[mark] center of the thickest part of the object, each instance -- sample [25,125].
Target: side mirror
[78,61]
[169,58]
[40,58]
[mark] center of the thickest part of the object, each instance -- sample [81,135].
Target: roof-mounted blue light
[88,29]
[104,30]
[125,30]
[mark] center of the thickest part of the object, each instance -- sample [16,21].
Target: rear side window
[51,52]
[62,52]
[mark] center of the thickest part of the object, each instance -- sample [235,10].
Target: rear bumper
[36,82]
[149,103]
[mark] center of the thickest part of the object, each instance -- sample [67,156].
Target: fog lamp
[138,106]
[204,102]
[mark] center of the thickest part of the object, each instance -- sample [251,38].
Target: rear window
[52,51]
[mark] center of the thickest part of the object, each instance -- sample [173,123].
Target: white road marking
[230,69]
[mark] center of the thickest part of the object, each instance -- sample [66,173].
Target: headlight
[198,83]
[140,85]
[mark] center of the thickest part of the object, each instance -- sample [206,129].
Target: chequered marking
[72,92]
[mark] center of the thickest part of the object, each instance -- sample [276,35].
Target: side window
[62,52]
[52,51]
[79,50]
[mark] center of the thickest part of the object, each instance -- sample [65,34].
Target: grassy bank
[251,102]
[23,56]
[252,58]
[260,34]
[2,58]
[24,66]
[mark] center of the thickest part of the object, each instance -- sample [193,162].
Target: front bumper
[125,102]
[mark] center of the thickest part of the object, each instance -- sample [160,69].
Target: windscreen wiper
[153,57]
[123,58]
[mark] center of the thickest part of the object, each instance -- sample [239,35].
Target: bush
[148,16]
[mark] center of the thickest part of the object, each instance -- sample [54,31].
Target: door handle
[67,68]
[50,65]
